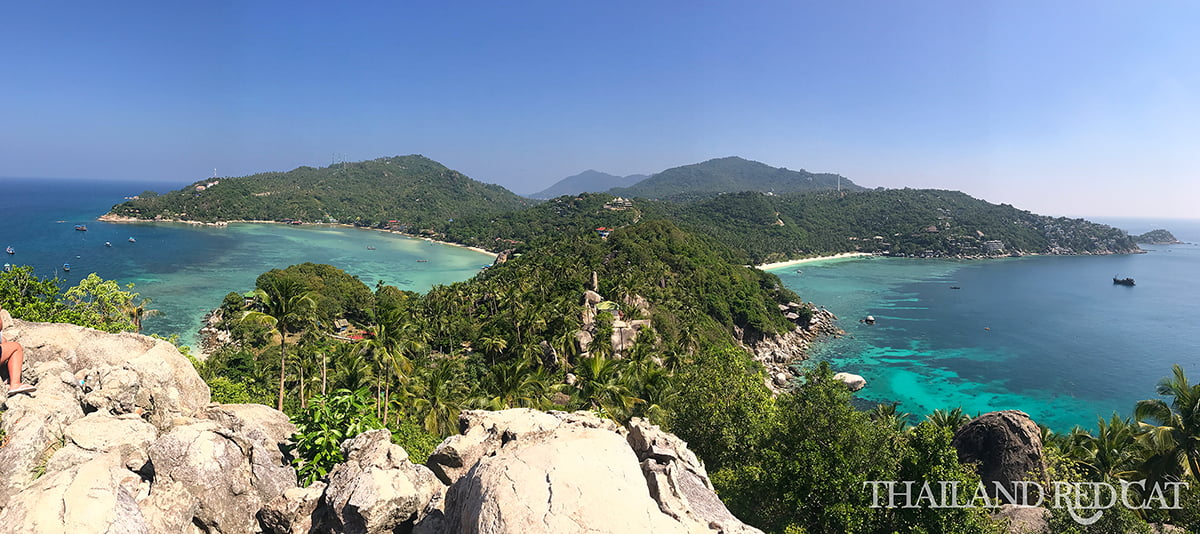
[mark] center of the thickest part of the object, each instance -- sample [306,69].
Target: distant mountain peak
[589,181]
[731,174]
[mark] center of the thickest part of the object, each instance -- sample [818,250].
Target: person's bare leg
[14,356]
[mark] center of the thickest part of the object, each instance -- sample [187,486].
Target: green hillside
[413,190]
[900,222]
[729,175]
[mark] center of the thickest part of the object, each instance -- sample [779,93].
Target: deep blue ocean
[186,269]
[1052,336]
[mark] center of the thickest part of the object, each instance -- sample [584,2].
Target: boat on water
[370,248]
[422,261]
[107,244]
[80,228]
[1123,281]
[132,240]
[67,267]
[10,250]
[7,267]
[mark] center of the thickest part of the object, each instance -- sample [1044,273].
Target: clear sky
[1063,108]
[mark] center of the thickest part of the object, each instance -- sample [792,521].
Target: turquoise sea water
[1052,336]
[187,270]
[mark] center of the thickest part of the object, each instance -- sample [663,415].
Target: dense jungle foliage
[414,191]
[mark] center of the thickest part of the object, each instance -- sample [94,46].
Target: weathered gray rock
[122,373]
[229,475]
[376,490]
[1024,519]
[575,479]
[523,470]
[1006,446]
[170,508]
[150,452]
[583,340]
[592,297]
[678,481]
[33,423]
[483,432]
[86,498]
[98,433]
[273,424]
[294,512]
[853,382]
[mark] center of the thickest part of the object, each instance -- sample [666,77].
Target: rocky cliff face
[120,437]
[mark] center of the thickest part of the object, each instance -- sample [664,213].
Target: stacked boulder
[120,437]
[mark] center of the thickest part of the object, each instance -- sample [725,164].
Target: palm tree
[351,370]
[493,345]
[286,307]
[439,395]
[602,385]
[515,384]
[137,311]
[1173,432]
[1110,454]
[952,419]
[889,414]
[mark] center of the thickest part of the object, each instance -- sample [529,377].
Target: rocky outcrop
[120,438]
[853,382]
[679,482]
[1005,446]
[1023,519]
[527,471]
[377,489]
[624,330]
[778,352]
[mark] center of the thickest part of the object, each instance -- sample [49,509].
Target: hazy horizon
[1057,109]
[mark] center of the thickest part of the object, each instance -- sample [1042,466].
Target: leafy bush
[324,424]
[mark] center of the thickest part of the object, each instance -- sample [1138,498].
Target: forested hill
[588,181]
[729,175]
[901,222]
[413,190]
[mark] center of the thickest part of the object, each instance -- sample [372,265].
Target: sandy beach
[789,263]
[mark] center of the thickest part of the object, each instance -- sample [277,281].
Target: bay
[1048,335]
[188,269]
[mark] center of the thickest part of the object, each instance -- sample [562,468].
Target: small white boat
[107,244]
[132,240]
[10,250]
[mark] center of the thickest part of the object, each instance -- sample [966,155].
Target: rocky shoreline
[777,353]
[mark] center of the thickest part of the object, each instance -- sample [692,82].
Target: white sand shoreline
[119,219]
[789,263]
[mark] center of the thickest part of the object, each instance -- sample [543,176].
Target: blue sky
[1063,108]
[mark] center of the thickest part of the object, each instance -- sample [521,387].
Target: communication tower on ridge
[338,160]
